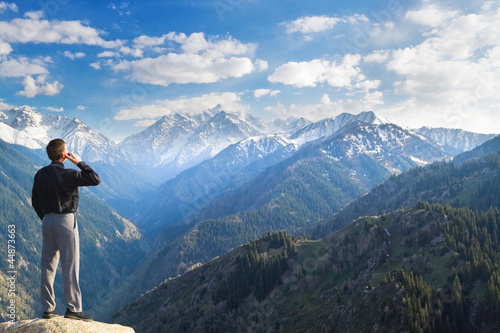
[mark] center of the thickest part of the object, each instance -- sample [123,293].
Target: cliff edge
[60,324]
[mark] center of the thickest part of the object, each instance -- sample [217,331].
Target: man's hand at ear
[73,158]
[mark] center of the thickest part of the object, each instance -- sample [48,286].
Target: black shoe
[49,314]
[76,316]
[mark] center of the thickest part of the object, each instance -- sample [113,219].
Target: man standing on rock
[55,200]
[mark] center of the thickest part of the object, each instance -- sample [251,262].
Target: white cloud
[5,106]
[144,41]
[22,67]
[34,15]
[34,29]
[487,5]
[258,93]
[39,86]
[314,24]
[431,16]
[452,77]
[81,108]
[5,48]
[310,24]
[54,109]
[199,61]
[74,56]
[95,65]
[377,56]
[145,123]
[346,74]
[262,65]
[131,51]
[121,8]
[107,54]
[453,62]
[8,6]
[228,100]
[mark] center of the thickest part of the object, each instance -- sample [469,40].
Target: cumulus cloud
[108,54]
[8,6]
[125,50]
[54,109]
[377,56]
[22,67]
[5,106]
[310,24]
[95,65]
[144,41]
[431,16]
[5,48]
[39,86]
[452,77]
[33,28]
[74,56]
[258,93]
[346,74]
[447,66]
[199,60]
[193,105]
[314,24]
[145,123]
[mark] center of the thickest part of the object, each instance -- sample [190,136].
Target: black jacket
[55,189]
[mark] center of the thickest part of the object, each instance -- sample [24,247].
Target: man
[55,200]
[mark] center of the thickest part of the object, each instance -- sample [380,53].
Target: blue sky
[120,66]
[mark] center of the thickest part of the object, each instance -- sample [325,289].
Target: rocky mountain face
[454,141]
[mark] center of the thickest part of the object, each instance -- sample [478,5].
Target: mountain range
[194,187]
[404,265]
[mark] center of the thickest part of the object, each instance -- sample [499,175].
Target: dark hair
[55,149]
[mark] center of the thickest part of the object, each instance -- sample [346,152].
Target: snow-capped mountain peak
[454,140]
[330,126]
[371,118]
[289,125]
[179,141]
[27,127]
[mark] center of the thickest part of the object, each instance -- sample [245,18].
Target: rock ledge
[60,324]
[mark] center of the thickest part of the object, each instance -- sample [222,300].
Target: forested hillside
[434,268]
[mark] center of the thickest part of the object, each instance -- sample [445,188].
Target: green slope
[429,269]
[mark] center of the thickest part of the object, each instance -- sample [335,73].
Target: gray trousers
[61,240]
